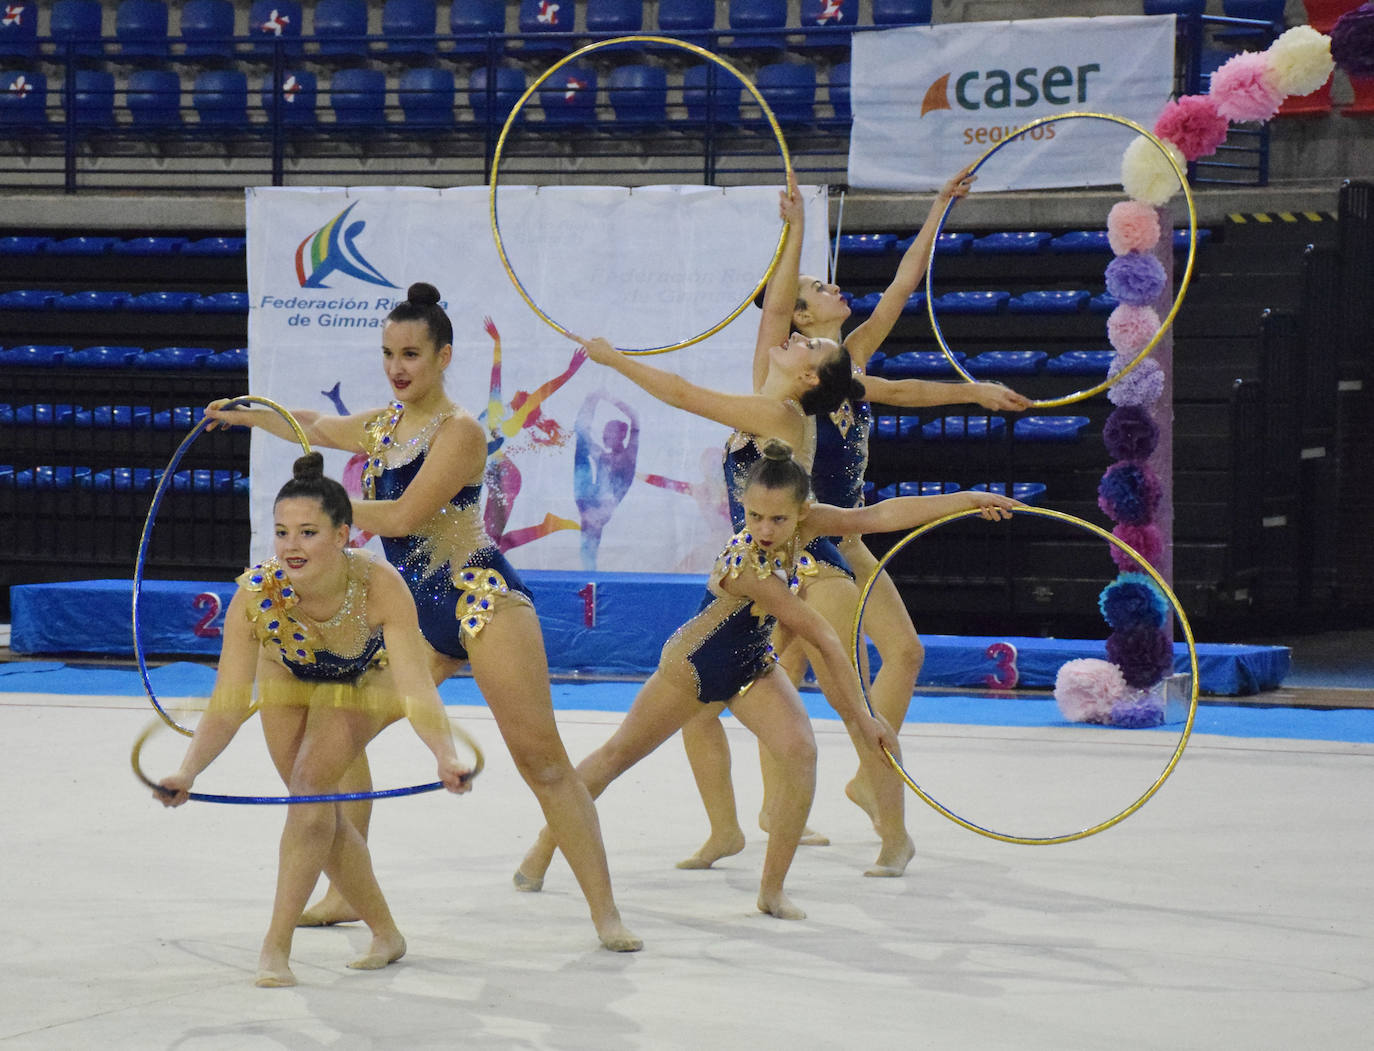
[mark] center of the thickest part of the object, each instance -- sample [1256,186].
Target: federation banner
[585,470]
[929,100]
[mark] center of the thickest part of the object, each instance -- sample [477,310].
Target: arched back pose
[307,628]
[723,656]
[603,468]
[422,488]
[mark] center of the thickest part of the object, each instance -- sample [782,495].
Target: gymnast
[307,627]
[421,490]
[723,656]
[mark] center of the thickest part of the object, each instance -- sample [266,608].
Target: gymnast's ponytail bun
[422,304]
[776,449]
[835,385]
[422,294]
[309,482]
[776,469]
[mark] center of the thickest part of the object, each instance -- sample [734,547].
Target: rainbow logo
[333,249]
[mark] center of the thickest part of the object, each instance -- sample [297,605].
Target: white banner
[642,267]
[928,100]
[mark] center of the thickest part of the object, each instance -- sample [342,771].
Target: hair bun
[308,467]
[422,294]
[776,449]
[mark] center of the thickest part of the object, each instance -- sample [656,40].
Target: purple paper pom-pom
[1132,600]
[1129,492]
[1138,710]
[1352,41]
[1147,541]
[1143,385]
[1136,279]
[1144,655]
[1130,433]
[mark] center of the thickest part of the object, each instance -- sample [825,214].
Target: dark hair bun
[422,294]
[308,467]
[776,449]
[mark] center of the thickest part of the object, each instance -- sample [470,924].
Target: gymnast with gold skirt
[323,642]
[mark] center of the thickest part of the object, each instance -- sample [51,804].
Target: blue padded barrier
[864,244]
[1051,301]
[162,302]
[173,358]
[1026,492]
[972,302]
[890,428]
[102,357]
[964,428]
[28,299]
[945,244]
[228,360]
[1076,241]
[221,303]
[1006,363]
[34,354]
[81,246]
[1049,428]
[23,245]
[1012,242]
[923,364]
[92,301]
[1103,303]
[148,246]
[215,246]
[1080,363]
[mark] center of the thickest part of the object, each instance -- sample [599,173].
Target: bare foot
[809,837]
[779,905]
[860,795]
[329,910]
[274,970]
[713,850]
[528,884]
[892,861]
[617,937]
[382,951]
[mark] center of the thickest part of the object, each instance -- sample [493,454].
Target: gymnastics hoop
[1068,399]
[141,560]
[330,797]
[520,104]
[931,801]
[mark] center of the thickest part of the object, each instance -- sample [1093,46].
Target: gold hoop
[515,112]
[1164,325]
[1040,512]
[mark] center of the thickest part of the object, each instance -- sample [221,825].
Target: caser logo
[996,89]
[333,249]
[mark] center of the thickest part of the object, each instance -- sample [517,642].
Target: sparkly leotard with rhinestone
[837,475]
[458,577]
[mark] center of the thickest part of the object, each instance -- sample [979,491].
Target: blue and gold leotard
[458,577]
[837,475]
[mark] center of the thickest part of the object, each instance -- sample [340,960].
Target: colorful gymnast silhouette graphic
[353,470]
[333,249]
[602,469]
[712,503]
[522,416]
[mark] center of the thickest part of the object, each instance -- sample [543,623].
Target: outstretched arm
[516,420]
[322,429]
[495,413]
[903,512]
[457,456]
[911,271]
[780,297]
[917,394]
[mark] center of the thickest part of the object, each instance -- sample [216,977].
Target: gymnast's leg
[708,752]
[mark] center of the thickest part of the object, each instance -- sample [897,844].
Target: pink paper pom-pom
[1147,175]
[1129,328]
[1146,540]
[1132,227]
[1244,88]
[1300,61]
[1085,689]
[1193,124]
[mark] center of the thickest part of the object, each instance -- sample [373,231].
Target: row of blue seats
[979,428]
[1049,301]
[409,27]
[146,302]
[1006,242]
[113,417]
[44,355]
[121,479]
[203,247]
[426,96]
[933,364]
[1026,492]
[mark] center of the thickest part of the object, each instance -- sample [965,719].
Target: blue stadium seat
[753,16]
[43,415]
[619,17]
[19,31]
[153,98]
[921,364]
[94,301]
[141,29]
[1026,492]
[887,492]
[1076,241]
[75,26]
[902,12]
[789,88]
[945,244]
[28,299]
[162,302]
[220,97]
[1012,242]
[18,245]
[569,96]
[1080,363]
[539,18]
[207,28]
[221,303]
[1103,303]
[164,358]
[215,246]
[494,102]
[102,357]
[358,97]
[679,18]
[180,418]
[1050,301]
[474,20]
[92,101]
[1049,428]
[864,244]
[891,428]
[341,26]
[828,25]
[82,246]
[113,417]
[1173,7]
[721,105]
[1006,363]
[273,24]
[34,355]
[1181,238]
[867,303]
[1267,11]
[298,97]
[23,99]
[148,246]
[639,94]
[964,428]
[408,28]
[971,302]
[838,79]
[235,360]
[427,97]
